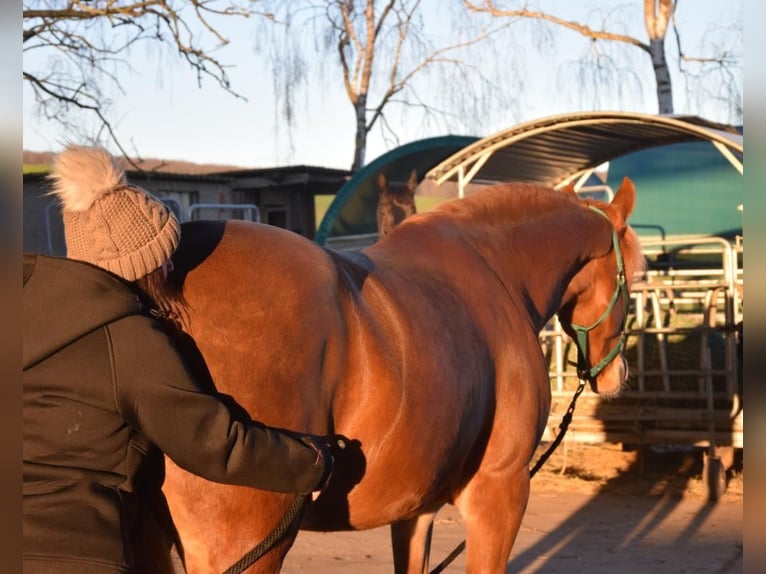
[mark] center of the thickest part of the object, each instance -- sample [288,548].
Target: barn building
[280,196]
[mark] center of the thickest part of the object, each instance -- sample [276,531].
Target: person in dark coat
[106,389]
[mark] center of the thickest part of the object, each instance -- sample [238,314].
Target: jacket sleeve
[156,393]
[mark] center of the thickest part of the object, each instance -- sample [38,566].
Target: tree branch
[581,29]
[85,36]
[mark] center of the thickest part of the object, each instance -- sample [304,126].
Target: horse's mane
[510,203]
[163,297]
[521,202]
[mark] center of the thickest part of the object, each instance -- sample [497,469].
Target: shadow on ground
[645,488]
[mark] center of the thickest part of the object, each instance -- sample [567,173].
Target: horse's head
[396,202]
[597,299]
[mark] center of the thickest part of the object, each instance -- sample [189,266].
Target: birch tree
[379,51]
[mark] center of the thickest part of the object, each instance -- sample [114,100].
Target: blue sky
[163,113]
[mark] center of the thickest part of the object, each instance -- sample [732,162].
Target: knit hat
[119,227]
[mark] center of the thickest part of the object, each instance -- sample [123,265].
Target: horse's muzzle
[609,382]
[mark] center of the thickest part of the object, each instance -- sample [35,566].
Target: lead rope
[565,420]
[268,543]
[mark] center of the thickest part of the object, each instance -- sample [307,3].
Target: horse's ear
[381,181]
[412,183]
[625,198]
[569,188]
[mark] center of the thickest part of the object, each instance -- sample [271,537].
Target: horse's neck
[538,258]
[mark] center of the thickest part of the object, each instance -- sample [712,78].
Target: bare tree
[74,49]
[659,15]
[384,53]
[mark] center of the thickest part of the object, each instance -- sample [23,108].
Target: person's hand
[325,447]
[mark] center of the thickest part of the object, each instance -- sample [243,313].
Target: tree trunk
[657,14]
[360,140]
[662,76]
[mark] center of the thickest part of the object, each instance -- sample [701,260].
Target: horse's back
[255,291]
[244,250]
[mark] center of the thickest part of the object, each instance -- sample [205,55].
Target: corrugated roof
[558,148]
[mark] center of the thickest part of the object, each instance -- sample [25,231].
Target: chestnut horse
[422,350]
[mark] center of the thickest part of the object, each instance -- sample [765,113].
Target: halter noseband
[621,288]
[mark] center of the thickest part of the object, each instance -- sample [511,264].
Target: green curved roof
[352,211]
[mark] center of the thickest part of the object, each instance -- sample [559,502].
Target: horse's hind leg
[492,506]
[411,541]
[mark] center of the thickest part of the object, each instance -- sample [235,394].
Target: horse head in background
[422,349]
[396,202]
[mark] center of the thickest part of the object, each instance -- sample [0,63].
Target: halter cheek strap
[621,288]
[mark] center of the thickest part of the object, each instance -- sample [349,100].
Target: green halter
[583,371]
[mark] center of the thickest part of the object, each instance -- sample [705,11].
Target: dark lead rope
[565,420]
[268,543]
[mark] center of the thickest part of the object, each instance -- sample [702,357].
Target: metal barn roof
[562,148]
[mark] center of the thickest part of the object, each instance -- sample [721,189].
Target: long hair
[162,297]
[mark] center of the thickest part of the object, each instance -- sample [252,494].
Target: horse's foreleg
[411,541]
[492,506]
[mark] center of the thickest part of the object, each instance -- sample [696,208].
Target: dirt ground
[594,510]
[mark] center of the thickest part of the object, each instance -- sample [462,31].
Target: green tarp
[352,211]
[682,189]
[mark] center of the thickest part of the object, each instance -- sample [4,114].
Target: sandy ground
[593,510]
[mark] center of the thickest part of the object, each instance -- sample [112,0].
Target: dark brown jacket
[104,383]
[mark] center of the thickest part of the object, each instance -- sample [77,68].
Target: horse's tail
[82,174]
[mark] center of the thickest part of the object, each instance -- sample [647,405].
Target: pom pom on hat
[81,175]
[118,227]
